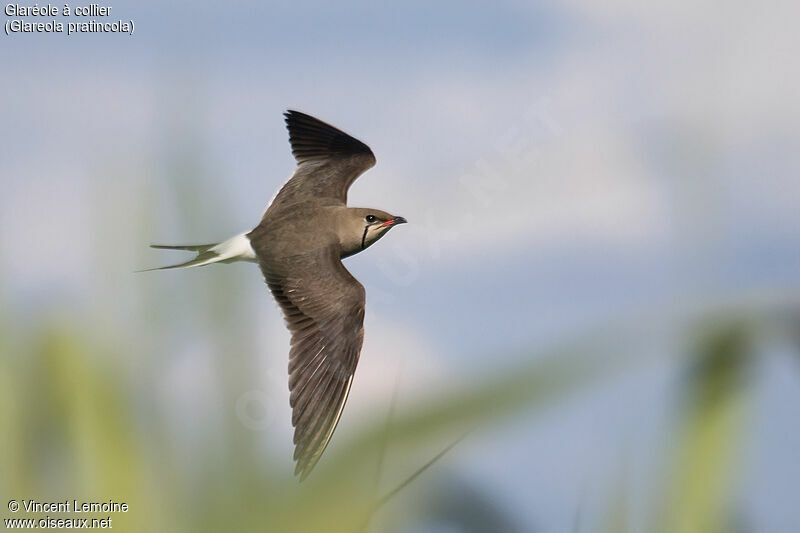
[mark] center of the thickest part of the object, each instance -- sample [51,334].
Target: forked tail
[234,249]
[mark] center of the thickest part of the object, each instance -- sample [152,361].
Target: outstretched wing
[328,162]
[324,309]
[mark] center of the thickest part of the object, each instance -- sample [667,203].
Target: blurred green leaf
[703,473]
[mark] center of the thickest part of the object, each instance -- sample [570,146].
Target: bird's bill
[394,221]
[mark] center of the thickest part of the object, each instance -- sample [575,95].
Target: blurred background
[599,285]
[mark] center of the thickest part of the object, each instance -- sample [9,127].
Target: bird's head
[363,226]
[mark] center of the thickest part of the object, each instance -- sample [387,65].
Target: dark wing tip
[302,470]
[313,139]
[313,435]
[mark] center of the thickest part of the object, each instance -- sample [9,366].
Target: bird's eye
[370,218]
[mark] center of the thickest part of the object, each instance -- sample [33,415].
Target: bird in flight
[299,245]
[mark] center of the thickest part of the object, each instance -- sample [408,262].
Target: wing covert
[328,162]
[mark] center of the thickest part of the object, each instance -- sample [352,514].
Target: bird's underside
[298,245]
